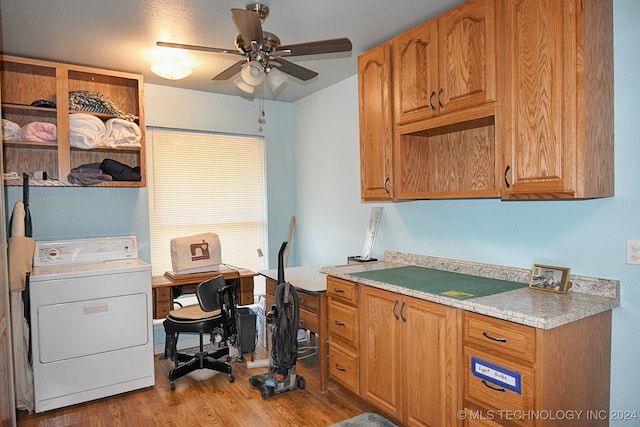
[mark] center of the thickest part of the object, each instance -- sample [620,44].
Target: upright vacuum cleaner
[283,322]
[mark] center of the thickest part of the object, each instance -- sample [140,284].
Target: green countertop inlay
[446,283]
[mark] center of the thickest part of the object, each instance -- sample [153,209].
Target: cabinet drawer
[309,302]
[488,394]
[306,300]
[500,336]
[342,290]
[343,322]
[162,294]
[343,367]
[308,320]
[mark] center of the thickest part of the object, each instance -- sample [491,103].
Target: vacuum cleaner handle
[281,262]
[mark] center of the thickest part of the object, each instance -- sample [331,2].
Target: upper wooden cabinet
[376,124]
[558,100]
[526,113]
[445,64]
[27,80]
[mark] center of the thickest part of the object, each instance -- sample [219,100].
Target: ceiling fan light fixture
[252,73]
[171,70]
[275,78]
[242,85]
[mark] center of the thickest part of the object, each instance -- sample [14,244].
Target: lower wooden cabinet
[428,364]
[344,332]
[561,375]
[408,358]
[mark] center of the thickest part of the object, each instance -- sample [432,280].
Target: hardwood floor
[204,398]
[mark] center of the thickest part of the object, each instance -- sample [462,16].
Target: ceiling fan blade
[230,72]
[313,48]
[201,48]
[294,70]
[249,26]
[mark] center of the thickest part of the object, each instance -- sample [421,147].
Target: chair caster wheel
[231,378]
[173,386]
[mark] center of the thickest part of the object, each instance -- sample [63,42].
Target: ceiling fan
[262,53]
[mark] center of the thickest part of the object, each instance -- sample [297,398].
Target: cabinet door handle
[506,180]
[404,319]
[340,368]
[486,335]
[338,323]
[394,310]
[439,100]
[433,107]
[387,184]
[493,388]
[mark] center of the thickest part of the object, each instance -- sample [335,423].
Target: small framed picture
[549,278]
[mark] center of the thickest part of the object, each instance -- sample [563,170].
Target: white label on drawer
[496,374]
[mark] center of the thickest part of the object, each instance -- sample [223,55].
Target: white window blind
[204,182]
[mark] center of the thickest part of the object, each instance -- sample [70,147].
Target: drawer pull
[340,369]
[394,310]
[339,323]
[338,291]
[486,335]
[302,322]
[404,319]
[300,300]
[493,388]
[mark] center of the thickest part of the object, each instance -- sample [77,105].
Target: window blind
[205,182]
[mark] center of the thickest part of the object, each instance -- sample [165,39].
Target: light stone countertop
[544,310]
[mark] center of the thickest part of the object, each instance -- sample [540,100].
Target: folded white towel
[10,130]
[121,133]
[85,130]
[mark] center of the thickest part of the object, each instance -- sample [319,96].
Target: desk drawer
[162,294]
[310,302]
[343,367]
[488,394]
[342,290]
[343,322]
[307,301]
[308,320]
[500,336]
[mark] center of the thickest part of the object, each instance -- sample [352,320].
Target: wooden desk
[162,287]
[311,287]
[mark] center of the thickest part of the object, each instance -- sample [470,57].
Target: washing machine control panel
[75,251]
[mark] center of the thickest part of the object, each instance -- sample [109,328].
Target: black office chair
[214,314]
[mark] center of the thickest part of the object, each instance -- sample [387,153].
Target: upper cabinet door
[415,73]
[376,124]
[558,103]
[446,64]
[467,56]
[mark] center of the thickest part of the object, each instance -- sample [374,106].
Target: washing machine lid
[81,257]
[77,251]
[64,271]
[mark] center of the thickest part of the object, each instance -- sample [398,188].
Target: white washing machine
[91,320]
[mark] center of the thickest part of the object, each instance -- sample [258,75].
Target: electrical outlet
[633,252]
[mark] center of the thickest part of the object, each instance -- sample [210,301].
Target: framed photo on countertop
[550,278]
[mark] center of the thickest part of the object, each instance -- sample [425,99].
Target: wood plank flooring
[204,398]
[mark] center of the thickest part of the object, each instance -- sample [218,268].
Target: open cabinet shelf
[26,80]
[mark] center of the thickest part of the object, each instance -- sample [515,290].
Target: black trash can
[246,324]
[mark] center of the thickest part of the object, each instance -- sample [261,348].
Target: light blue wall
[587,236]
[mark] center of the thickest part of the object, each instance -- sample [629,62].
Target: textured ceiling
[121,34]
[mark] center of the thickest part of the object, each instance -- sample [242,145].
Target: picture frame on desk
[550,278]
